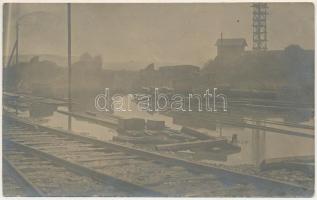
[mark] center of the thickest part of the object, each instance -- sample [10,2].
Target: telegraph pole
[17,33]
[69,66]
[17,43]
[221,47]
[221,65]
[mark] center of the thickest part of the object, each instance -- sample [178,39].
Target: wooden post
[69,65]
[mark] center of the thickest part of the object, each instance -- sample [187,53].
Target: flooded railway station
[157,132]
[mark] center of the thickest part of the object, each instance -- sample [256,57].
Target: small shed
[230,47]
[131,124]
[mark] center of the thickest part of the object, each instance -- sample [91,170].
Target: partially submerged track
[131,169]
[42,174]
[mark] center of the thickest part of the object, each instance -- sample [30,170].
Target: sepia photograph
[165,99]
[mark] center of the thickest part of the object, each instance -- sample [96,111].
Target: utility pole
[17,43]
[17,33]
[69,66]
[221,64]
[221,47]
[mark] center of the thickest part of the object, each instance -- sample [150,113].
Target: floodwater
[255,145]
[59,120]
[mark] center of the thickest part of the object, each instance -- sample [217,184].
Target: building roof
[232,42]
[179,67]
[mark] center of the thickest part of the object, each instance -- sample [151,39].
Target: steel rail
[30,188]
[84,171]
[230,175]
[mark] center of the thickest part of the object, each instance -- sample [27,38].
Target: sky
[152,33]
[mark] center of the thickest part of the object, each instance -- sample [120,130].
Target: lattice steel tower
[259,26]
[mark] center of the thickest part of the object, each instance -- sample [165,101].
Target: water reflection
[38,110]
[82,127]
[255,145]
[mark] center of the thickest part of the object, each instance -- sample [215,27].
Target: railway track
[13,182]
[43,177]
[123,170]
[34,161]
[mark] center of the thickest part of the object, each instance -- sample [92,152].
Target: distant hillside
[111,65]
[59,60]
